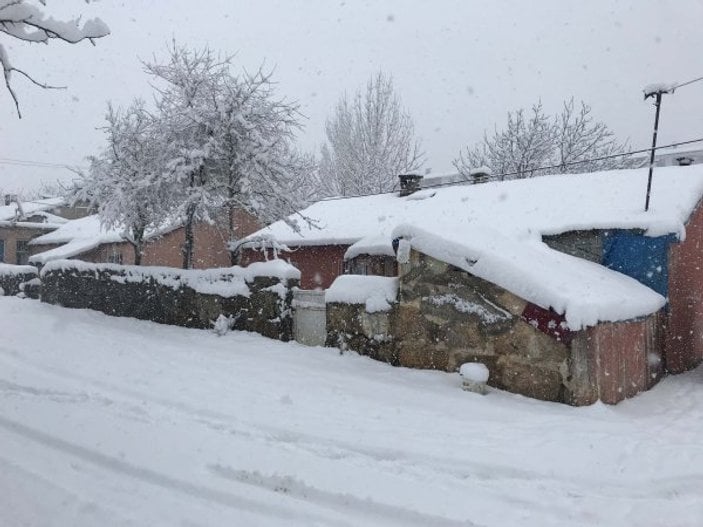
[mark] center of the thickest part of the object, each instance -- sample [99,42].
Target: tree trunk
[138,245]
[233,258]
[137,254]
[189,242]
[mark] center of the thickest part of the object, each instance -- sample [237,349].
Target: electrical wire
[35,164]
[494,177]
[582,161]
[682,84]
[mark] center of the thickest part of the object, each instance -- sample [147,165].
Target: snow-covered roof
[74,237]
[494,230]
[9,212]
[83,234]
[377,245]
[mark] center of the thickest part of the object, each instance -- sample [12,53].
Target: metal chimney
[409,183]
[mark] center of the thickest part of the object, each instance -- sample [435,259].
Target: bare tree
[580,138]
[29,23]
[371,139]
[524,145]
[563,143]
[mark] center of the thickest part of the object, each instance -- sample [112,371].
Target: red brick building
[86,240]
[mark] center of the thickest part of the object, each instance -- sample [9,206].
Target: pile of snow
[377,293]
[474,372]
[277,268]
[225,282]
[371,245]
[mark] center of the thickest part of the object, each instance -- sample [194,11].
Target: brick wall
[684,341]
[10,237]
[318,265]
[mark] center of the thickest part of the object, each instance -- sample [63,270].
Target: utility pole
[656,91]
[657,94]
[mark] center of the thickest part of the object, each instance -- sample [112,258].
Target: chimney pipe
[409,183]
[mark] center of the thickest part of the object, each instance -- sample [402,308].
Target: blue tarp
[644,258]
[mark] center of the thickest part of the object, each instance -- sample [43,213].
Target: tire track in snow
[153,477]
[331,449]
[293,487]
[416,465]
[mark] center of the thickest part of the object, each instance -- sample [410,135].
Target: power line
[682,84]
[550,167]
[582,161]
[39,164]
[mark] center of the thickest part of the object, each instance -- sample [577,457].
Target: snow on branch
[29,23]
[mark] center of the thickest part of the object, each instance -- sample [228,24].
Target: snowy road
[108,421]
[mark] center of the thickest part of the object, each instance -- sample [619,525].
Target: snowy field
[107,421]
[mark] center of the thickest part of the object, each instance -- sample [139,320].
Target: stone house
[562,285]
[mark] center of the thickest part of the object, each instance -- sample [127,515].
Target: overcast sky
[458,66]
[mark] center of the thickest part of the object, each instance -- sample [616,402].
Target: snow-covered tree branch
[531,141]
[26,22]
[125,182]
[371,140]
[229,140]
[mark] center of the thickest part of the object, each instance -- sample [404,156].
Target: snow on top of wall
[277,268]
[12,270]
[371,245]
[9,212]
[225,282]
[376,292]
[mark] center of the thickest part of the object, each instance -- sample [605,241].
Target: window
[114,255]
[2,250]
[22,252]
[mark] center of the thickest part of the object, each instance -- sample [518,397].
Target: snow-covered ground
[107,421]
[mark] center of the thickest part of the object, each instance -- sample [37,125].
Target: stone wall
[446,317]
[254,302]
[12,277]
[349,326]
[582,244]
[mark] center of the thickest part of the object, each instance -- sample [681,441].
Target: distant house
[672,156]
[22,221]
[86,239]
[562,285]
